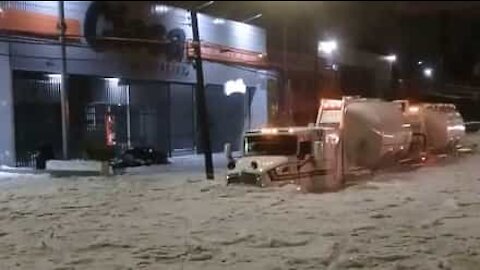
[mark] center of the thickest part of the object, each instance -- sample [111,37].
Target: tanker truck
[439,125]
[349,134]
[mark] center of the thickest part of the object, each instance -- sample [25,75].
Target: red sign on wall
[220,53]
[109,128]
[36,24]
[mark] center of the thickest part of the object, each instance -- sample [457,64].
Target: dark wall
[182,122]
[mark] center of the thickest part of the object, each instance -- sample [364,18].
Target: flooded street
[423,219]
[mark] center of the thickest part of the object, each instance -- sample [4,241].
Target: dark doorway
[37,115]
[226,115]
[149,114]
[182,130]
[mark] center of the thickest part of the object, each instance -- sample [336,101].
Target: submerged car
[141,156]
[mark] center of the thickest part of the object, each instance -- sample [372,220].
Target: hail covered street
[169,217]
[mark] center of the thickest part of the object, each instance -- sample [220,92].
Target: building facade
[131,78]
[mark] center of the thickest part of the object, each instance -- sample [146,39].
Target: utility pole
[200,100]
[63,83]
[316,61]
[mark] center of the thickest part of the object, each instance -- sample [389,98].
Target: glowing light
[218,21]
[112,80]
[327,46]
[162,9]
[391,58]
[269,130]
[456,128]
[413,109]
[248,20]
[332,104]
[234,86]
[55,78]
[332,138]
[428,72]
[420,63]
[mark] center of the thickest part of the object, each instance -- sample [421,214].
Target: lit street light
[391,58]
[428,72]
[162,9]
[327,47]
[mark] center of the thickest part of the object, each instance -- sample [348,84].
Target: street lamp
[327,47]
[162,9]
[428,72]
[326,50]
[390,58]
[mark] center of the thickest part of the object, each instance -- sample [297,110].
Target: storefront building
[131,78]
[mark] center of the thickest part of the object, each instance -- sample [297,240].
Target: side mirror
[317,150]
[227,149]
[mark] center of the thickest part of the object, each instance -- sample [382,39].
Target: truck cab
[277,156]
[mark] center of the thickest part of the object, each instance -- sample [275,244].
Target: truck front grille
[243,178]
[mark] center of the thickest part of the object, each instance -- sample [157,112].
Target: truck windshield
[270,145]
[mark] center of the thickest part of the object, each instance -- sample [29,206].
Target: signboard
[220,53]
[23,22]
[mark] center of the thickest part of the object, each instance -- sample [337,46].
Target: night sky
[444,35]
